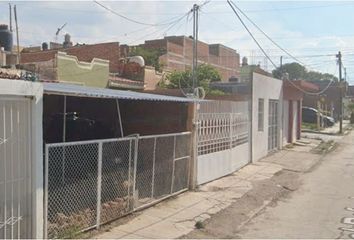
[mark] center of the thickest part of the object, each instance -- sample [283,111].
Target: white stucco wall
[267,88]
[18,88]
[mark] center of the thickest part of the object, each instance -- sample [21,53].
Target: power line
[132,20]
[233,9]
[169,27]
[284,9]
[269,38]
[293,84]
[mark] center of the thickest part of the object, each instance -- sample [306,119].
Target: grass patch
[309,126]
[199,225]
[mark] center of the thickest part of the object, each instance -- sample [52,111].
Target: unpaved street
[310,204]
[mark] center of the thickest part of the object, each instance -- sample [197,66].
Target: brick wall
[107,51]
[180,54]
[41,56]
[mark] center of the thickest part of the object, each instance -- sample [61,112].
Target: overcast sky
[306,29]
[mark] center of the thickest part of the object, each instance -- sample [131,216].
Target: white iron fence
[222,125]
[15,169]
[89,183]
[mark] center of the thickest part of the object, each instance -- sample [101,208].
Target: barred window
[260,114]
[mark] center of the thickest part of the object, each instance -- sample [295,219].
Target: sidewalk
[334,130]
[178,216]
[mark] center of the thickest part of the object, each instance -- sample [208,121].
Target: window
[260,114]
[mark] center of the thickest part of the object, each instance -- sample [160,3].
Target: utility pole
[339,56]
[10,11]
[17,37]
[281,67]
[195,46]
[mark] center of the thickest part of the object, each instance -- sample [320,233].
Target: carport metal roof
[83,91]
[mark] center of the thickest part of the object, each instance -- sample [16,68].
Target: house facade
[267,106]
[328,101]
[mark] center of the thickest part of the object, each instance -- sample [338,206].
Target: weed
[199,225]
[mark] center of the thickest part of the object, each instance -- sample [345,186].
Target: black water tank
[5,37]
[44,46]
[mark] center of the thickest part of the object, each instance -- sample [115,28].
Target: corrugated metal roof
[83,91]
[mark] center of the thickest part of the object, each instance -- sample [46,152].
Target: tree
[297,71]
[205,74]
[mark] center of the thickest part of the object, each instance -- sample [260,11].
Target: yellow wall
[94,74]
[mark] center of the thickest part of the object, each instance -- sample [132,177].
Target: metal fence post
[173,163]
[231,126]
[99,183]
[46,192]
[129,172]
[153,169]
[136,145]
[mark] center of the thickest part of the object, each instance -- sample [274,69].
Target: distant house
[120,73]
[329,100]
[348,100]
[56,66]
[178,54]
[292,107]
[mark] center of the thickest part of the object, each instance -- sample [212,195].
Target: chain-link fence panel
[145,171]
[94,182]
[164,166]
[181,162]
[181,174]
[117,179]
[72,188]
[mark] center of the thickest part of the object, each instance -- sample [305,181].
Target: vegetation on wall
[298,72]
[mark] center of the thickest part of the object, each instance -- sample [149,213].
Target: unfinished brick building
[179,51]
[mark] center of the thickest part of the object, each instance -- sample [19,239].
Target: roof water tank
[5,37]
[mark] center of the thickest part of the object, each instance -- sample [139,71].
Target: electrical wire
[132,20]
[169,27]
[267,36]
[233,9]
[293,84]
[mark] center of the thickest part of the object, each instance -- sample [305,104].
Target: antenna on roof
[58,31]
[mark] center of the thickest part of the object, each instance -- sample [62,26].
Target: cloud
[89,23]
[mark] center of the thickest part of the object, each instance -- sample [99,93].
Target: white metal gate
[15,168]
[223,135]
[273,133]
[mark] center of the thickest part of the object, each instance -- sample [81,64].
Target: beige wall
[94,73]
